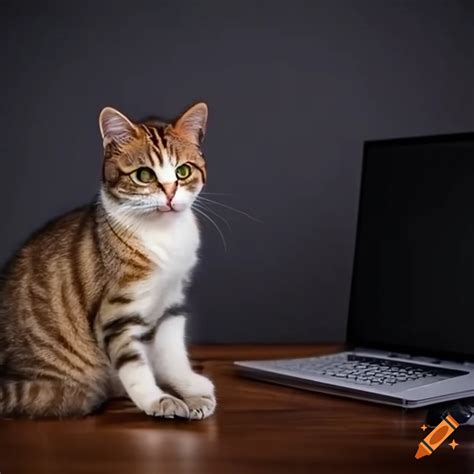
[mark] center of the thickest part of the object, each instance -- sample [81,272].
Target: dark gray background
[294,89]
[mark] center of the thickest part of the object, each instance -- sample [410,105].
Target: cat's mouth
[167,209]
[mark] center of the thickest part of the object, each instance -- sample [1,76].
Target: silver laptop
[410,335]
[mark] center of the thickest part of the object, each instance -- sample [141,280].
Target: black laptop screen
[413,278]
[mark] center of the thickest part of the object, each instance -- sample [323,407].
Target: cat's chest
[172,248]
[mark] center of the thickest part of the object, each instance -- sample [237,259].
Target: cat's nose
[170,190]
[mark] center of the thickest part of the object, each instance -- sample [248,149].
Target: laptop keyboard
[362,370]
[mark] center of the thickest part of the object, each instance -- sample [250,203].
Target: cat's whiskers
[126,228]
[246,214]
[139,206]
[203,207]
[200,211]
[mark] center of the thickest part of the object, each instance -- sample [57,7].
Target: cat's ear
[115,127]
[191,125]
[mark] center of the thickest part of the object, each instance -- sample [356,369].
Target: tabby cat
[93,305]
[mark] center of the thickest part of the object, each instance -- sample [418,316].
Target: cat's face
[153,167]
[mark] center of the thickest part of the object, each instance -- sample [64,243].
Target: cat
[93,305]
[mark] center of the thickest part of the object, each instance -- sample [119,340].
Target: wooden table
[258,428]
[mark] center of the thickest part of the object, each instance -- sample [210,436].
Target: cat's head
[152,166]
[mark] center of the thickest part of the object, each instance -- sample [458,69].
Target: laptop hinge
[389,354]
[400,355]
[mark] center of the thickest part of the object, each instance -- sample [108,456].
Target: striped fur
[85,300]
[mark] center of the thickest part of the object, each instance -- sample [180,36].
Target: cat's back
[60,263]
[57,235]
[49,244]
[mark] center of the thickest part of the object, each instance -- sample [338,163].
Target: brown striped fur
[52,362]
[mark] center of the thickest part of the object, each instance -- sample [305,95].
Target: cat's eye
[183,171]
[144,175]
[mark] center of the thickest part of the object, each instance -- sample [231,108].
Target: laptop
[410,333]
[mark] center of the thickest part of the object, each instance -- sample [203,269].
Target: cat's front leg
[122,331]
[172,367]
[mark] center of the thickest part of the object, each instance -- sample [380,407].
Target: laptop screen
[413,277]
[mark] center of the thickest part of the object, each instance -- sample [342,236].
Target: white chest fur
[171,242]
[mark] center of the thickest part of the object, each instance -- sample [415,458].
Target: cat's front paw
[201,407]
[194,385]
[168,406]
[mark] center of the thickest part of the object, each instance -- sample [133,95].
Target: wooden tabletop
[258,428]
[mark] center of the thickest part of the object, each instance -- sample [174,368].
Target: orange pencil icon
[447,425]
